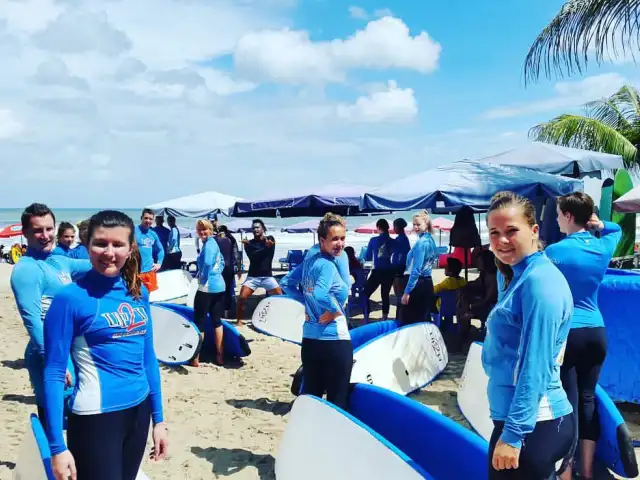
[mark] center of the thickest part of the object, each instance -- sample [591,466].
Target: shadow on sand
[229,461]
[264,404]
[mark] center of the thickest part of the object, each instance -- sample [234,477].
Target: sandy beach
[223,422]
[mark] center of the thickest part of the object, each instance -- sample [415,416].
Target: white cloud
[290,56]
[358,13]
[569,95]
[390,105]
[10,126]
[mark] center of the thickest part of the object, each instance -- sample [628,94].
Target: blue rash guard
[420,260]
[163,234]
[324,290]
[79,252]
[402,249]
[35,280]
[524,348]
[110,337]
[150,248]
[380,249]
[61,250]
[210,266]
[173,243]
[291,282]
[583,259]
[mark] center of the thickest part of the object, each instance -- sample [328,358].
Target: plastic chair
[357,297]
[448,305]
[293,258]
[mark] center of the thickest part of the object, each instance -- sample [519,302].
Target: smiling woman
[103,322]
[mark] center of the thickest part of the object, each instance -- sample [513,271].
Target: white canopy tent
[199,205]
[629,202]
[558,160]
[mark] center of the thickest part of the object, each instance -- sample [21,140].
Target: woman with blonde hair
[209,298]
[418,292]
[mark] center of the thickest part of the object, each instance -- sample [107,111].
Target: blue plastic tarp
[342,199]
[618,301]
[557,159]
[447,188]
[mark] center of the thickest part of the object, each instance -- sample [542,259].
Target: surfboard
[323,442]
[402,360]
[191,296]
[439,445]
[614,449]
[34,457]
[172,285]
[627,221]
[606,200]
[280,316]
[234,343]
[176,339]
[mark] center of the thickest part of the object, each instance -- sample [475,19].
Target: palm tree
[610,125]
[603,27]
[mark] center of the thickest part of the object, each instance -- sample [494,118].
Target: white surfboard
[172,285]
[403,360]
[322,442]
[281,317]
[175,338]
[472,393]
[191,295]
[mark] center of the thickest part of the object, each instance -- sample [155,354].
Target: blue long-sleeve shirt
[524,348]
[79,252]
[35,280]
[402,249]
[163,234]
[324,291]
[380,249]
[61,250]
[210,266]
[110,337]
[173,243]
[150,248]
[583,260]
[291,282]
[420,260]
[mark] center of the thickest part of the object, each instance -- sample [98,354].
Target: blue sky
[114,104]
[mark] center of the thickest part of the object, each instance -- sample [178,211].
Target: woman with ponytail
[583,259]
[104,322]
[526,337]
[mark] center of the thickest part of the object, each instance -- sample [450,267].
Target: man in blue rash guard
[173,259]
[104,322]
[399,261]
[327,354]
[583,259]
[523,350]
[151,250]
[380,249]
[163,234]
[65,238]
[35,280]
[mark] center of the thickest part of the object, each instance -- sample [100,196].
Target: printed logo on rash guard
[147,242]
[127,317]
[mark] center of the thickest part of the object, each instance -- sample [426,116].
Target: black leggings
[109,446]
[227,274]
[327,369]
[208,303]
[583,358]
[382,278]
[420,302]
[549,442]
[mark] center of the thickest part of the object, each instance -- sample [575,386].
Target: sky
[107,103]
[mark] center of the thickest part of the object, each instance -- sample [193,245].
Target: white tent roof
[556,159]
[629,202]
[197,206]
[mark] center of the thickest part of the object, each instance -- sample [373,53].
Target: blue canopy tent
[341,198]
[200,205]
[241,225]
[556,159]
[447,188]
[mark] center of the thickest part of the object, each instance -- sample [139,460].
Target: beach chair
[448,304]
[357,297]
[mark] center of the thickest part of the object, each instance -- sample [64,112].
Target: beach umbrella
[629,202]
[371,229]
[9,231]
[200,205]
[443,224]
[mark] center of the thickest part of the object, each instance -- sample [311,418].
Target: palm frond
[629,98]
[608,113]
[587,133]
[565,44]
